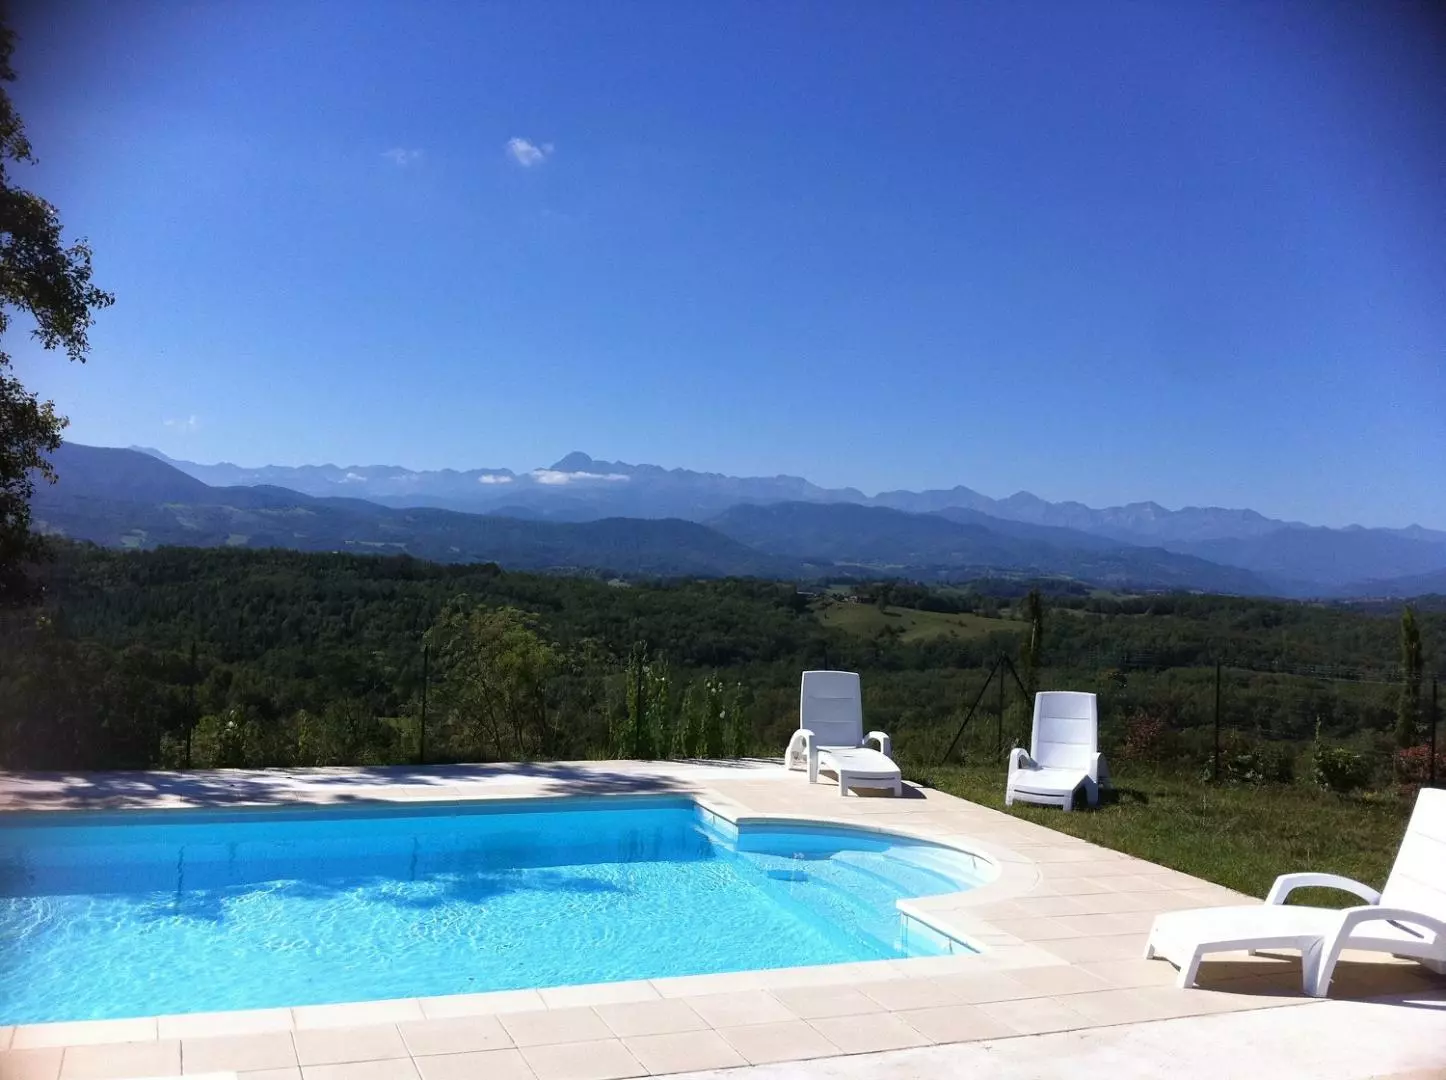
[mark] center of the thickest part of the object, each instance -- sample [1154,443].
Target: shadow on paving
[1277,975]
[227,787]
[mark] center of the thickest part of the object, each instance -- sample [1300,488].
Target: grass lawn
[1240,837]
[868,620]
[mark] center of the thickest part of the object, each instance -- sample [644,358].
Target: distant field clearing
[867,620]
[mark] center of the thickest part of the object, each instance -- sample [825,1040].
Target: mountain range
[584,513]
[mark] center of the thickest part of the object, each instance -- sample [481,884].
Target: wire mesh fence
[1334,725]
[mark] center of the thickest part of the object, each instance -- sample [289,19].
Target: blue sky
[1192,252]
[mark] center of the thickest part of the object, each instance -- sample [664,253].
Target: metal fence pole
[999,716]
[422,730]
[969,715]
[190,704]
[1215,767]
[1435,716]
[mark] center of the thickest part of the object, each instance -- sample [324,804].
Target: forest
[212,657]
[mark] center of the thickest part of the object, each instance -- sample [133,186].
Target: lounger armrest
[1287,883]
[1019,759]
[1404,918]
[1099,770]
[801,744]
[886,745]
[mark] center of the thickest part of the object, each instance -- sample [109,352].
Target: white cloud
[553,476]
[401,157]
[186,426]
[494,478]
[527,153]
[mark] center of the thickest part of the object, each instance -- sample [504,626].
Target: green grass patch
[1239,837]
[867,620]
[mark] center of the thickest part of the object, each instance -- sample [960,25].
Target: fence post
[422,730]
[969,715]
[999,716]
[1215,767]
[642,709]
[1435,716]
[190,704]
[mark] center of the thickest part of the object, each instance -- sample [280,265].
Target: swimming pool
[142,913]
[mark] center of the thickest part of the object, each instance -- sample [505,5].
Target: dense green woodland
[278,657]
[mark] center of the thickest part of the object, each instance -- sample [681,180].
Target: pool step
[845,896]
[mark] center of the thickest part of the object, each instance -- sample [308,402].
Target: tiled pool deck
[1062,930]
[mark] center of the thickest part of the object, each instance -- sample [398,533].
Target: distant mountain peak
[576,461]
[1023,498]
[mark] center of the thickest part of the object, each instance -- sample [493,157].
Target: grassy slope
[867,620]
[1240,837]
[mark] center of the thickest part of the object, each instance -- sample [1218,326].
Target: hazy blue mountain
[1138,523]
[1332,557]
[1049,534]
[1142,522]
[931,502]
[1298,559]
[128,499]
[121,474]
[1432,584]
[931,545]
[872,535]
[109,497]
[361,481]
[1410,532]
[575,488]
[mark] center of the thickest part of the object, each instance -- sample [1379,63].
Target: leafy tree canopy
[42,278]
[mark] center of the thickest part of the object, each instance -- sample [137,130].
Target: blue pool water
[113,915]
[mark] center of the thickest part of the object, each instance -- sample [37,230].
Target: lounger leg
[1310,971]
[1189,971]
[1150,941]
[1323,967]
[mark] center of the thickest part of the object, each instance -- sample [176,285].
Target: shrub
[737,733]
[1340,770]
[1260,764]
[220,741]
[715,718]
[1413,767]
[688,734]
[1144,737]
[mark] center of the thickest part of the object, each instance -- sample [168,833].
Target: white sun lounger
[1407,918]
[1063,753]
[830,735]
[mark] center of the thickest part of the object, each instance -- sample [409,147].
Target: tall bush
[1408,707]
[688,735]
[1337,769]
